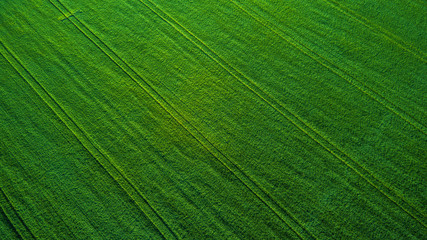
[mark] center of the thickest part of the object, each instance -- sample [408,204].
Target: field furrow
[229,119]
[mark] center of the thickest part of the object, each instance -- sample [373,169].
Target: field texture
[203,119]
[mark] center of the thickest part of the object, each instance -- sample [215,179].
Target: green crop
[201,119]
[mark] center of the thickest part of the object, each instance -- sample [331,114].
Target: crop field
[203,119]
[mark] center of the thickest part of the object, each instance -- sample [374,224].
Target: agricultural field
[201,119]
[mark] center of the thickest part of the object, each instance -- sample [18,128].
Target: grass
[151,119]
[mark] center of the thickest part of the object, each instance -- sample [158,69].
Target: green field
[202,119]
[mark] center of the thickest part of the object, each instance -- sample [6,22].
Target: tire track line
[181,120]
[299,123]
[51,121]
[81,136]
[253,182]
[333,146]
[9,221]
[5,52]
[376,28]
[337,71]
[54,210]
[25,234]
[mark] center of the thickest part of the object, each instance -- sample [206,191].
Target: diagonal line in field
[415,124]
[335,69]
[19,219]
[373,27]
[5,52]
[21,74]
[298,122]
[8,218]
[83,139]
[185,124]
